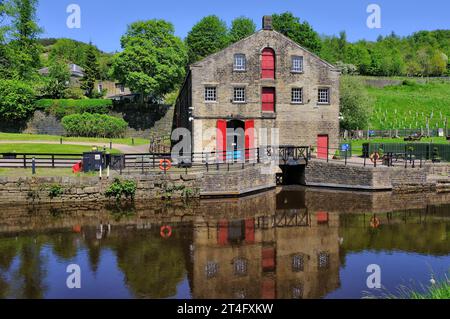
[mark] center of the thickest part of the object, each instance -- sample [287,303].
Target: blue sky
[104,21]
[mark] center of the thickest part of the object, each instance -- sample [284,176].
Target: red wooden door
[222,237]
[322,146]
[250,231]
[221,140]
[268,64]
[268,259]
[249,139]
[268,99]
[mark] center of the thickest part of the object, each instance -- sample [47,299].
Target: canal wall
[233,182]
[435,177]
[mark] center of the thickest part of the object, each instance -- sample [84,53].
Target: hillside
[410,104]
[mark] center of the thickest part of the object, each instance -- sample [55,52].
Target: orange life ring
[165,165]
[166,231]
[374,157]
[375,222]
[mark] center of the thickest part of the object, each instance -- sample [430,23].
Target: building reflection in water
[290,253]
[289,244]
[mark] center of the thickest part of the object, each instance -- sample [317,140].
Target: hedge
[94,125]
[64,107]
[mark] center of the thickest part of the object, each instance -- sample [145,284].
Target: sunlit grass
[55,138]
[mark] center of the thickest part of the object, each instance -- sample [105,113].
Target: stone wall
[236,182]
[352,176]
[321,173]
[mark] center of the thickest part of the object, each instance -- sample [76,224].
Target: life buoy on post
[165,165]
[375,222]
[166,231]
[374,157]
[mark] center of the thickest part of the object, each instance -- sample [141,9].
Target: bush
[16,100]
[94,125]
[63,107]
[121,188]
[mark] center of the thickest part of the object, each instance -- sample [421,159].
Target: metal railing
[378,157]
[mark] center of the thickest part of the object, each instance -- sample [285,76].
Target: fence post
[142,165]
[53,160]
[345,158]
[24,161]
[33,166]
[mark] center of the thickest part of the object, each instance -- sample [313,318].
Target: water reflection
[292,244]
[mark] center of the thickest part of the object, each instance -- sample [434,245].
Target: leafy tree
[302,33]
[355,104]
[438,63]
[26,49]
[208,36]
[241,28]
[69,51]
[91,72]
[16,100]
[153,59]
[56,83]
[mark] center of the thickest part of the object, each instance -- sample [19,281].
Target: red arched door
[268,64]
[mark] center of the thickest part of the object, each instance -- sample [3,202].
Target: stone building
[265,81]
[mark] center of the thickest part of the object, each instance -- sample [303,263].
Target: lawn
[409,106]
[53,138]
[47,149]
[359,143]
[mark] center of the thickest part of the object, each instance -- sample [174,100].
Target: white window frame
[210,94]
[240,62]
[323,95]
[239,94]
[297,64]
[294,96]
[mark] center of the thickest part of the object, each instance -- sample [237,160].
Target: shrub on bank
[64,107]
[94,125]
[16,100]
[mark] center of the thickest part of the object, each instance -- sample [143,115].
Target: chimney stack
[267,23]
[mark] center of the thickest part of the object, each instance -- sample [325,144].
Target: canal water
[286,243]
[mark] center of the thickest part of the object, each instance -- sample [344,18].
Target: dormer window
[297,64]
[240,62]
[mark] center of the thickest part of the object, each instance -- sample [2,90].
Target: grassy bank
[47,148]
[409,106]
[439,291]
[54,138]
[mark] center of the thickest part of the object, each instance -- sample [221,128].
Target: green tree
[56,83]
[26,49]
[241,28]
[91,72]
[208,36]
[438,63]
[302,33]
[69,51]
[355,104]
[153,59]
[16,100]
